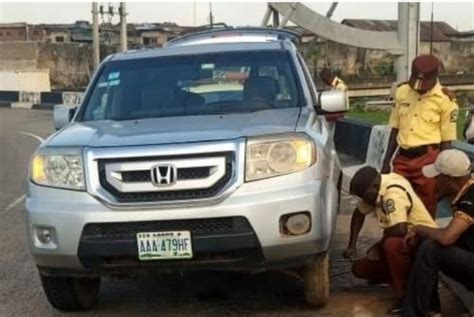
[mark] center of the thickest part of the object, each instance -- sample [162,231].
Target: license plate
[164,245]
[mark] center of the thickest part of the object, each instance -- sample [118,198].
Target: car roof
[234,35]
[217,41]
[198,49]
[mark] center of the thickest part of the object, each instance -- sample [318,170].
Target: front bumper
[261,203]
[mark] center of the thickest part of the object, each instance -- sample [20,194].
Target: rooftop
[441,30]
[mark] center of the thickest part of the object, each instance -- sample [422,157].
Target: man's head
[326,76]
[424,73]
[452,169]
[366,184]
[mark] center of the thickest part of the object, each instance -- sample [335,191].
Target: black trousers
[432,258]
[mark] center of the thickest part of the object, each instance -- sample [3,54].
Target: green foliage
[382,117]
[385,69]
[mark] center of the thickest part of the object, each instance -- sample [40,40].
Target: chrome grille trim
[216,165]
[92,157]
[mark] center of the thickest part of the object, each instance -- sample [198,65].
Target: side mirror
[333,101]
[62,115]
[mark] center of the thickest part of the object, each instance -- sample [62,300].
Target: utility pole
[123,27]
[431,28]
[408,36]
[211,18]
[95,35]
[331,10]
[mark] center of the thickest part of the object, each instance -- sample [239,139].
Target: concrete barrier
[9,96]
[72,98]
[38,100]
[367,144]
[52,97]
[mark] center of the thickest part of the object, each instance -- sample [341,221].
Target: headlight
[59,167]
[277,155]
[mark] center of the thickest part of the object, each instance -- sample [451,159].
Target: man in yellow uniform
[398,208]
[423,123]
[329,79]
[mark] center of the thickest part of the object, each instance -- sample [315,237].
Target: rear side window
[193,85]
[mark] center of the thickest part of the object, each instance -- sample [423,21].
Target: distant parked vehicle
[211,153]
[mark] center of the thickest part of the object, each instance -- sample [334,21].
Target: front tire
[70,293]
[317,281]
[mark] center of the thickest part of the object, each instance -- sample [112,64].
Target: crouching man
[397,208]
[448,250]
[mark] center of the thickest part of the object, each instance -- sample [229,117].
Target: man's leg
[401,165]
[374,271]
[424,187]
[399,263]
[431,258]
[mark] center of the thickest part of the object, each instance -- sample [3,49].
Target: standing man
[449,250]
[397,208]
[423,124]
[329,79]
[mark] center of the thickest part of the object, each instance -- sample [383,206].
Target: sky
[459,15]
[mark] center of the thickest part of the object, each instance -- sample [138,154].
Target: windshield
[219,83]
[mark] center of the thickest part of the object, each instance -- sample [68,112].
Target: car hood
[106,133]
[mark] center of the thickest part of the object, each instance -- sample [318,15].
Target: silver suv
[212,153]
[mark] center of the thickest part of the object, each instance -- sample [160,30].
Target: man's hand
[374,253]
[410,240]
[350,253]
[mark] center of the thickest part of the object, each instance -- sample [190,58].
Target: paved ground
[202,294]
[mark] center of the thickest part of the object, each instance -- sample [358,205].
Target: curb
[27,105]
[39,100]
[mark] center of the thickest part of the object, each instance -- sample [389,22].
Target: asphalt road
[196,294]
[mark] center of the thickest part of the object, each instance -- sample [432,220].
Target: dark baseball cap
[424,72]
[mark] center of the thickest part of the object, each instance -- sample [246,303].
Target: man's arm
[449,117]
[391,147]
[399,230]
[357,222]
[445,236]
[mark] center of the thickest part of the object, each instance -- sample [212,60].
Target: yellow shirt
[338,84]
[398,203]
[423,119]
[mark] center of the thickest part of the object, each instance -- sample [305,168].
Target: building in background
[65,50]
[13,32]
[442,31]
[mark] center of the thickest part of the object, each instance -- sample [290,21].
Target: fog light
[45,237]
[44,234]
[296,224]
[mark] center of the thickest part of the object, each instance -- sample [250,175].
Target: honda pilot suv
[212,153]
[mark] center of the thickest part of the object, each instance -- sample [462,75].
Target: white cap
[452,162]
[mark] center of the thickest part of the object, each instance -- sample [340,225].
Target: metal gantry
[402,43]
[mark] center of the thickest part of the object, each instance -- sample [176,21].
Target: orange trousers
[410,168]
[393,268]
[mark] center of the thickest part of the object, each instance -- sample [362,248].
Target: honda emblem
[163,175]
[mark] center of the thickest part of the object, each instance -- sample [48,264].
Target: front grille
[183,173]
[198,227]
[167,195]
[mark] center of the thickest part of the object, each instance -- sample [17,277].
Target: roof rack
[280,34]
